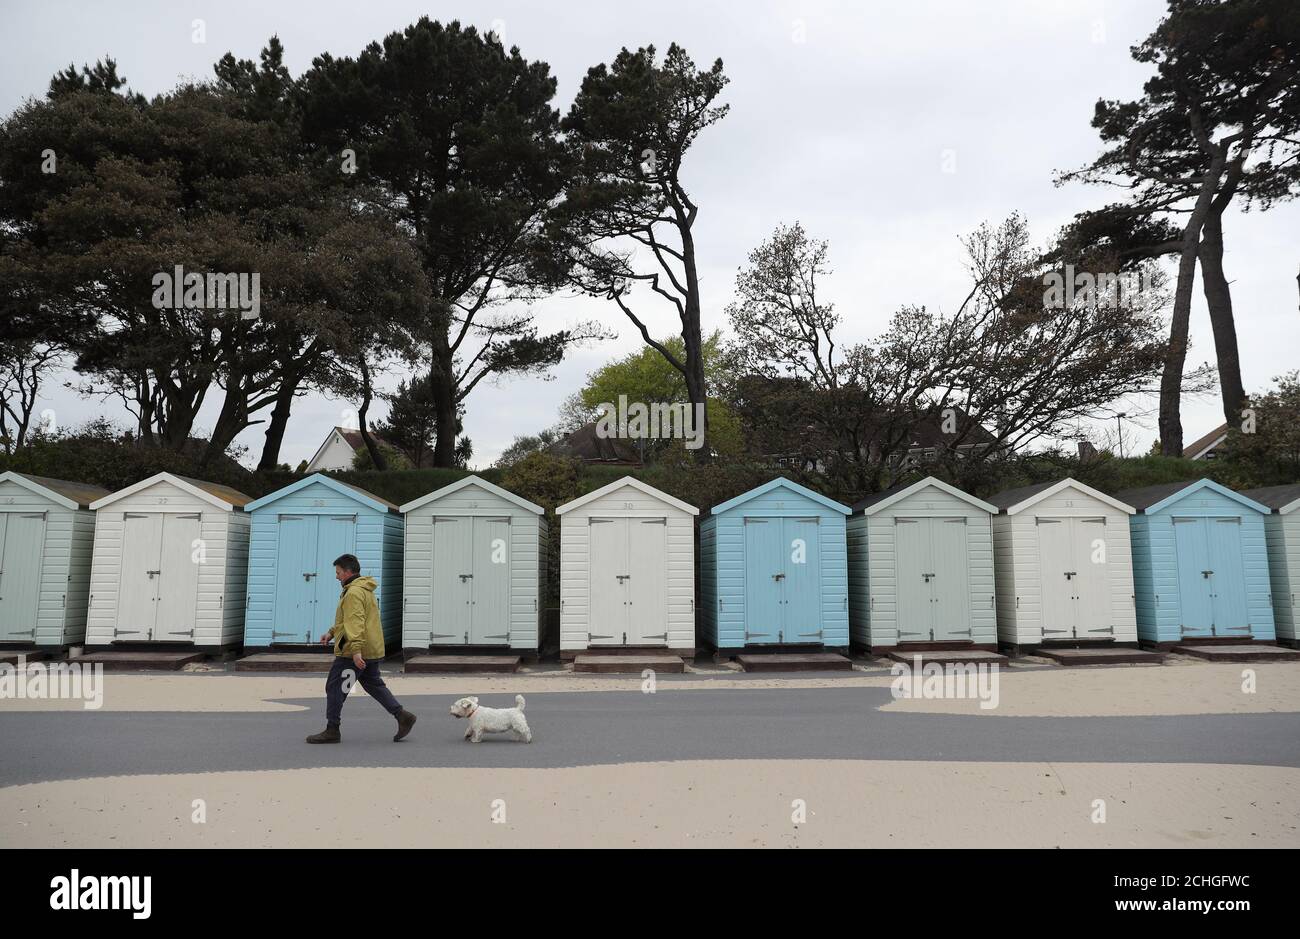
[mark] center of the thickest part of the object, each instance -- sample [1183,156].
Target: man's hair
[348,562]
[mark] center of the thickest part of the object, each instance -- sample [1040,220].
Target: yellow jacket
[356,622]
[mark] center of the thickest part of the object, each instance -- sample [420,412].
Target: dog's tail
[519,701]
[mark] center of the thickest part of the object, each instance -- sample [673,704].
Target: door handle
[1206,574]
[1070,575]
[465,577]
[308,577]
[778,577]
[151,573]
[623,577]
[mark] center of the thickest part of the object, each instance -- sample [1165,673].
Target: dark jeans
[369,679]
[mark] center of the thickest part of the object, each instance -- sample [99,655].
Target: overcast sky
[846,116]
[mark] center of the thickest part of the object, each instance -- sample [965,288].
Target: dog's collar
[472,713]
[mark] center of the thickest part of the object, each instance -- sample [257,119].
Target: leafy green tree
[455,139]
[1219,118]
[629,130]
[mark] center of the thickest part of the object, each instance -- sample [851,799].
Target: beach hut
[921,569]
[773,570]
[627,570]
[475,568]
[1064,566]
[1282,535]
[47,532]
[298,532]
[170,565]
[1200,566]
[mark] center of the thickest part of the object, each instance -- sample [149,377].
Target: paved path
[585,728]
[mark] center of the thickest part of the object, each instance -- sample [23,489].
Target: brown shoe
[405,721]
[328,735]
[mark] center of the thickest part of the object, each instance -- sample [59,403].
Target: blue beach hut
[774,570]
[297,533]
[1200,565]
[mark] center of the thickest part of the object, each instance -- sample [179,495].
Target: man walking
[358,649]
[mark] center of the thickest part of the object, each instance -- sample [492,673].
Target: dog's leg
[468,730]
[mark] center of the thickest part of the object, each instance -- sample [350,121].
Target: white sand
[701,803]
[1203,688]
[1207,688]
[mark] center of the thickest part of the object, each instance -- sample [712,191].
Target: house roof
[351,437]
[880,501]
[1281,499]
[473,481]
[222,497]
[1199,447]
[588,446]
[781,483]
[1153,498]
[627,481]
[1011,501]
[347,489]
[68,494]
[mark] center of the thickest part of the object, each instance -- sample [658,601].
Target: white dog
[492,720]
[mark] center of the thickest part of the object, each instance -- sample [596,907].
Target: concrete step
[460,664]
[286,662]
[950,657]
[1241,652]
[794,662]
[623,664]
[1102,656]
[126,660]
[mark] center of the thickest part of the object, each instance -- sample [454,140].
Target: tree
[1270,455]
[1006,369]
[1221,116]
[629,130]
[455,139]
[412,422]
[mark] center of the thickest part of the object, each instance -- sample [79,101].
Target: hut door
[609,572]
[912,564]
[801,620]
[178,584]
[764,571]
[138,577]
[648,584]
[1056,571]
[1228,582]
[336,535]
[950,585]
[294,591]
[22,548]
[1092,614]
[490,604]
[1194,570]
[452,579]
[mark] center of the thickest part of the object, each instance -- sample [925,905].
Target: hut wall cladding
[434,607]
[302,529]
[1021,582]
[731,580]
[202,604]
[1282,535]
[45,554]
[1161,576]
[627,503]
[874,572]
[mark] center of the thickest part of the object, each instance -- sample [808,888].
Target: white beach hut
[170,565]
